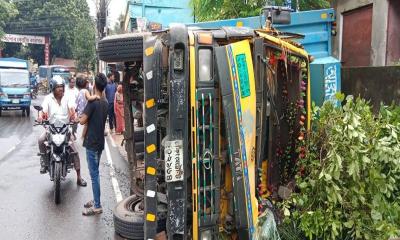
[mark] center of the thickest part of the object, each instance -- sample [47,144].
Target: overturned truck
[221,120]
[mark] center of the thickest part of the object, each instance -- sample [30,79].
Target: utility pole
[101,23]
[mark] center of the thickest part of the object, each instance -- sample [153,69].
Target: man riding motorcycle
[56,106]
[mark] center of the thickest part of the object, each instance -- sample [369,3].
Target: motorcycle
[59,154]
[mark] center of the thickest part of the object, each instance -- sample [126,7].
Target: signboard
[174,161]
[47,51]
[28,39]
[331,87]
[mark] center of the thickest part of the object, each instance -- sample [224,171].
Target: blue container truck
[316,27]
[15,89]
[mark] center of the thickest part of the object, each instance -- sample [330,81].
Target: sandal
[81,182]
[92,211]
[89,204]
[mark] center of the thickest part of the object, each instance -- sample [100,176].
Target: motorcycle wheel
[57,182]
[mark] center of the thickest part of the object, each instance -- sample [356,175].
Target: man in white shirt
[71,93]
[56,106]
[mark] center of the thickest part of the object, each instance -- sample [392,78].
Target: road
[27,209]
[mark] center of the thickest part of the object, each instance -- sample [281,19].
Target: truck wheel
[0,112]
[129,218]
[28,112]
[121,48]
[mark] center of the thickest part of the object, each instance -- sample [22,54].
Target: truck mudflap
[177,160]
[152,74]
[205,106]
[236,76]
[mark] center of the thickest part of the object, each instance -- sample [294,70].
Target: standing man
[71,93]
[111,89]
[95,115]
[116,74]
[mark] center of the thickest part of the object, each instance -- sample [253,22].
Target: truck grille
[15,96]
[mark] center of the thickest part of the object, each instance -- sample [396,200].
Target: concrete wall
[379,27]
[377,84]
[393,41]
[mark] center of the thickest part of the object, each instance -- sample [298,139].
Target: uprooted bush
[349,186]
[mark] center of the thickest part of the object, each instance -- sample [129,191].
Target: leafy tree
[62,20]
[7,11]
[84,50]
[349,183]
[208,10]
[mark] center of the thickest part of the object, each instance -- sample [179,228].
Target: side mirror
[38,108]
[277,15]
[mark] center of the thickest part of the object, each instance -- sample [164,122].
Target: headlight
[58,139]
[27,95]
[3,95]
[206,235]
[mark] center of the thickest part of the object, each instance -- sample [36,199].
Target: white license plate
[16,101]
[174,161]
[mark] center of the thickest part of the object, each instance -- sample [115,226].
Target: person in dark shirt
[116,74]
[95,116]
[111,89]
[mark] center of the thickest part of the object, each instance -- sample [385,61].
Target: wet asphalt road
[27,208]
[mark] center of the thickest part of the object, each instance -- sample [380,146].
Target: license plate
[15,101]
[174,161]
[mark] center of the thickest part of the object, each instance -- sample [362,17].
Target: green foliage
[351,186]
[84,50]
[313,4]
[67,22]
[208,10]
[7,11]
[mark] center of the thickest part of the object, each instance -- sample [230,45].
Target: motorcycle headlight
[58,139]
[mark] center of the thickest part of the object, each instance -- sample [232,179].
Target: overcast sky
[114,10]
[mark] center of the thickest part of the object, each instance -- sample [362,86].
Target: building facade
[368,32]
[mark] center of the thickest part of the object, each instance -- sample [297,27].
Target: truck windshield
[61,70]
[14,79]
[65,76]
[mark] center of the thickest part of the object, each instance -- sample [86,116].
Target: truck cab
[15,90]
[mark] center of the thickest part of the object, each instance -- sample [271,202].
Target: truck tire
[129,218]
[121,48]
